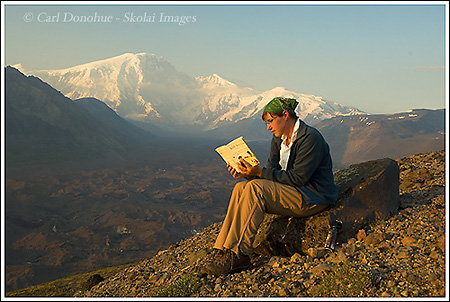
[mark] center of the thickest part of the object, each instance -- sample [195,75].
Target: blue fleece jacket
[309,167]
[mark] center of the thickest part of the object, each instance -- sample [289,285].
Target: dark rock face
[367,192]
[374,194]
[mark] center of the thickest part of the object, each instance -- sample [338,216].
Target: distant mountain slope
[44,125]
[354,139]
[145,87]
[103,113]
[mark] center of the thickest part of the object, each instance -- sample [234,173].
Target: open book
[236,149]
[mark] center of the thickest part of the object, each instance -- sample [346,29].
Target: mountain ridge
[146,87]
[354,139]
[43,123]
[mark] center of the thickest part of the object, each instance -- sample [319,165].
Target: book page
[236,149]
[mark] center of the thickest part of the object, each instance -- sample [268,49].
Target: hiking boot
[226,262]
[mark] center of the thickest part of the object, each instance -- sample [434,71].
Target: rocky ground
[403,256]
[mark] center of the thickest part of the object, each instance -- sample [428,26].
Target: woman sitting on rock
[297,181]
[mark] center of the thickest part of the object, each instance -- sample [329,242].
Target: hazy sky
[378,58]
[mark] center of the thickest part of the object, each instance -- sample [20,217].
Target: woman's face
[276,124]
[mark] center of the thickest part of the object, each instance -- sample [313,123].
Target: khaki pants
[248,203]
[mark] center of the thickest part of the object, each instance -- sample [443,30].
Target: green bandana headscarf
[280,104]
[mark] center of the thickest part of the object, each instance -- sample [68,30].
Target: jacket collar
[301,130]
[295,132]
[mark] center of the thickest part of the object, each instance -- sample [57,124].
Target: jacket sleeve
[307,155]
[274,157]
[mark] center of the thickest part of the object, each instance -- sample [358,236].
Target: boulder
[368,192]
[91,282]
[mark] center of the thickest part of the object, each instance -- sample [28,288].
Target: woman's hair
[266,114]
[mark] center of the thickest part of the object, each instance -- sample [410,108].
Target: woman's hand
[248,170]
[234,173]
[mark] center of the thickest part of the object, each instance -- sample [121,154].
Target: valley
[60,224]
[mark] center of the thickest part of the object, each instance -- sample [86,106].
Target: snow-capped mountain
[137,86]
[146,87]
[312,109]
[220,97]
